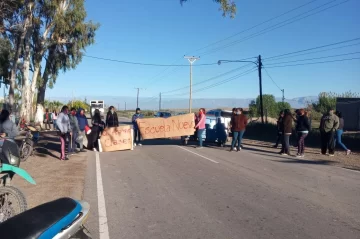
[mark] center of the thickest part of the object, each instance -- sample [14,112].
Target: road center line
[103,222]
[197,154]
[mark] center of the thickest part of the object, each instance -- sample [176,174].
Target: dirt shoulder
[54,178]
[340,159]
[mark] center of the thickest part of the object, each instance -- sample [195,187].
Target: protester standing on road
[97,124]
[279,125]
[112,118]
[82,121]
[47,119]
[200,126]
[75,131]
[302,129]
[286,132]
[238,124]
[7,127]
[63,124]
[137,136]
[328,125]
[339,133]
[54,117]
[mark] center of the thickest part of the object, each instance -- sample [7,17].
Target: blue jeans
[237,136]
[338,135]
[199,135]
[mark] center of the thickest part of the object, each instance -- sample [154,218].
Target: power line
[144,64]
[257,25]
[274,27]
[210,79]
[310,59]
[221,82]
[319,62]
[308,53]
[267,73]
[313,48]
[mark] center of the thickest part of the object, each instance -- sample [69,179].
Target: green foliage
[253,110]
[53,105]
[5,48]
[269,105]
[328,100]
[228,7]
[282,106]
[79,104]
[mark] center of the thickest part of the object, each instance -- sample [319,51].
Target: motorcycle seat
[43,221]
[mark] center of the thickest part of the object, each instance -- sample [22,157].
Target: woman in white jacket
[63,124]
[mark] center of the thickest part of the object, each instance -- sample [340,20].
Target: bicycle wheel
[12,202]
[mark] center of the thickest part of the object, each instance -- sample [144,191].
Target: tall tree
[15,24]
[58,29]
[228,7]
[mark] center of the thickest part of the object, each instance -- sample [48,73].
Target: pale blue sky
[163,31]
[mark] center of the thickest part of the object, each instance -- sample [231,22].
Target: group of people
[50,118]
[331,125]
[73,128]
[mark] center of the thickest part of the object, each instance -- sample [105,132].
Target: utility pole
[137,97]
[160,101]
[191,60]
[125,105]
[283,95]
[260,86]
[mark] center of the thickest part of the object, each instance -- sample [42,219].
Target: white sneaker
[140,144]
[348,152]
[95,150]
[134,144]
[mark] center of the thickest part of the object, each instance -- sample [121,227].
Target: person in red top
[200,126]
[238,124]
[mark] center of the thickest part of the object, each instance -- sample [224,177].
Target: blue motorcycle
[59,219]
[12,200]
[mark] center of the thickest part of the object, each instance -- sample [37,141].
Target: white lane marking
[198,154]
[103,222]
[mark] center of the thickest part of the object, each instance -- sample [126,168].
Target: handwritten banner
[155,128]
[116,138]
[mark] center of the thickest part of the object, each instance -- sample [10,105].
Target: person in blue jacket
[82,120]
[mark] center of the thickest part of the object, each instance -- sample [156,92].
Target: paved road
[161,190]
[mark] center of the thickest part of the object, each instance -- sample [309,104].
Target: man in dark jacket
[137,136]
[82,121]
[238,124]
[111,118]
[75,131]
[328,125]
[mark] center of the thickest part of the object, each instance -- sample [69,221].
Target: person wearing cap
[137,136]
[328,125]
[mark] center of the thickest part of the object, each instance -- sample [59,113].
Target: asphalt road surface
[162,190]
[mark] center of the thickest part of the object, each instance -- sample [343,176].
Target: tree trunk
[25,110]
[19,45]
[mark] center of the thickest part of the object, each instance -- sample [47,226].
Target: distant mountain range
[168,103]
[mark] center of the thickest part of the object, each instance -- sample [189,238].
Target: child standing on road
[137,136]
[47,119]
[286,132]
[339,133]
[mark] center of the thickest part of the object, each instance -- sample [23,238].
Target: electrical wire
[267,73]
[210,79]
[220,82]
[257,25]
[274,27]
[313,48]
[314,63]
[145,64]
[316,58]
[308,53]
